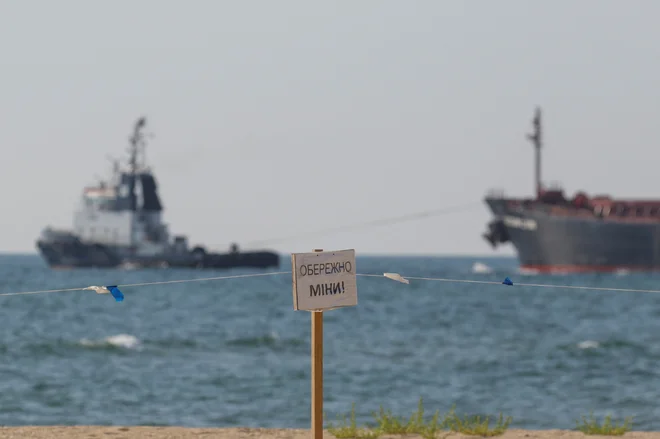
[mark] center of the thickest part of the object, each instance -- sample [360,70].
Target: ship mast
[536,139]
[137,139]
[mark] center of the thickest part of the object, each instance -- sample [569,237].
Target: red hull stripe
[587,268]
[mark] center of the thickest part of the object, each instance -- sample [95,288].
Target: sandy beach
[55,432]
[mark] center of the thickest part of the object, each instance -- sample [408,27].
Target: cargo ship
[119,224]
[552,233]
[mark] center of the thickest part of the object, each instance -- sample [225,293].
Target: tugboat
[555,234]
[118,224]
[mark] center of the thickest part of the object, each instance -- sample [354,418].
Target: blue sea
[234,353]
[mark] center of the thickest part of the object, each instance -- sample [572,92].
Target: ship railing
[61,234]
[496,193]
[555,186]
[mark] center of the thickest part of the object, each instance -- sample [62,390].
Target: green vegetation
[607,428]
[349,429]
[386,423]
[475,426]
[389,424]
[437,427]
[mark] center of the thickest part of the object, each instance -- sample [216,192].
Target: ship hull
[72,253]
[560,243]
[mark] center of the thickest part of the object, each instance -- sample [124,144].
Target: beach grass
[438,426]
[608,427]
[388,424]
[348,428]
[476,425]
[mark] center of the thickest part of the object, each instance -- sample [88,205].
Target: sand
[251,433]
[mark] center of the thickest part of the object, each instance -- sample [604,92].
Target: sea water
[234,353]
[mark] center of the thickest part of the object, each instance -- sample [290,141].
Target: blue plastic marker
[111,289]
[118,295]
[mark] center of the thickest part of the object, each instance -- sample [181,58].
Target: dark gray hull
[70,252]
[548,242]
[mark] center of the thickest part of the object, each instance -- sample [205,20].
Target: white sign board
[324,280]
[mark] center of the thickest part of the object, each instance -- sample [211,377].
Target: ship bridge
[127,214]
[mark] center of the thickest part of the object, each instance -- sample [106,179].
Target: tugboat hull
[73,253]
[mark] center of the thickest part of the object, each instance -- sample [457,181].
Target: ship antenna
[115,165]
[536,139]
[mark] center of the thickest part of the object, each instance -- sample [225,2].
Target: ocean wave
[271,340]
[588,344]
[123,341]
[481,268]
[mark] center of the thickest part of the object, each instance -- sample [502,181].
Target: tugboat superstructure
[119,222]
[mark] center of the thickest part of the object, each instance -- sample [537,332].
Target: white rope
[154,283]
[516,284]
[374,223]
[433,279]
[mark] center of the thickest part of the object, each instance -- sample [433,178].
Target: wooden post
[321,281]
[317,372]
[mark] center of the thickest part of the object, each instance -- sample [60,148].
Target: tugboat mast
[536,139]
[137,140]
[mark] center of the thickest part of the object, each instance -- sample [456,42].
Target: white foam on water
[588,344]
[481,268]
[125,341]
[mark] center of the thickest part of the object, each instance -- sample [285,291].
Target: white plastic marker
[110,289]
[322,281]
[397,277]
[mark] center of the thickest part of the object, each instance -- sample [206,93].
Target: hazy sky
[277,118]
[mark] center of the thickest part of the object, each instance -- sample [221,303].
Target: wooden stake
[317,372]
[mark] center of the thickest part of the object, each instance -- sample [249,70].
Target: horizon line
[369,254]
